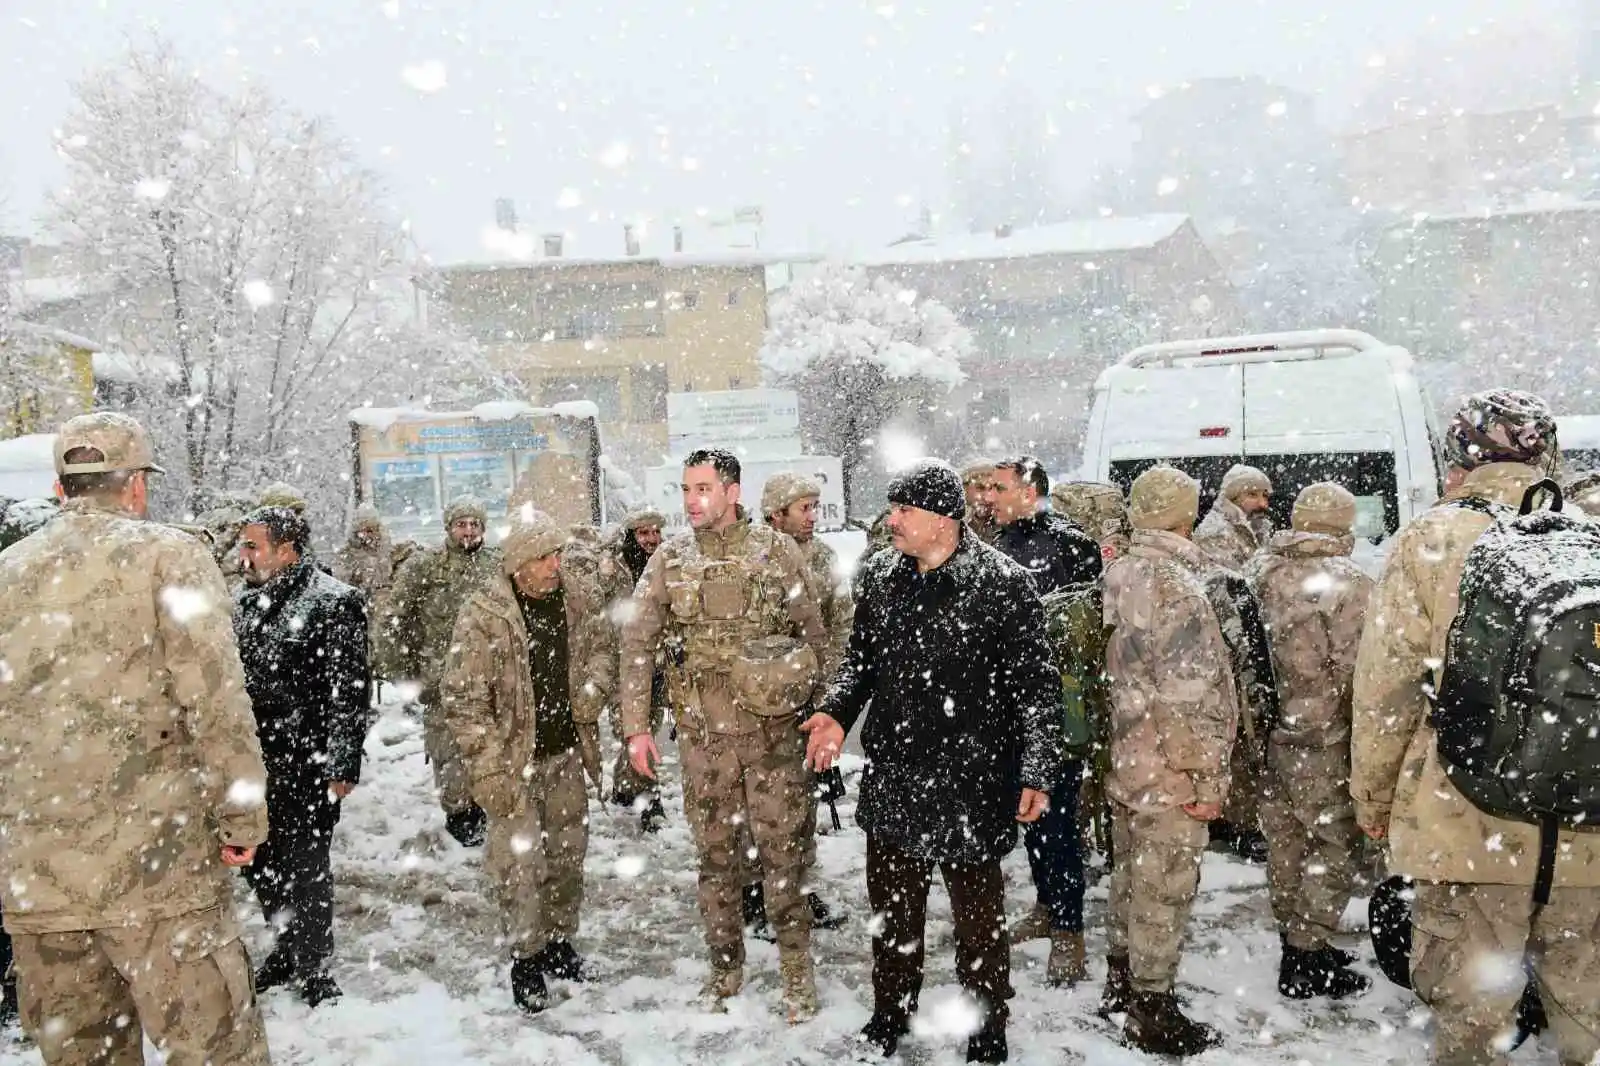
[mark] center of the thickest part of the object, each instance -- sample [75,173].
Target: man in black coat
[1062,559]
[949,648]
[303,639]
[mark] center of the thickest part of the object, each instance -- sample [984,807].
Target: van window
[1368,475]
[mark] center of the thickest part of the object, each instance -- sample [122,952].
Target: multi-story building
[621,332]
[1049,307]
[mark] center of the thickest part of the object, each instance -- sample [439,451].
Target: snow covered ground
[425,982]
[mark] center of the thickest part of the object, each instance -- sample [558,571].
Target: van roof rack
[1309,340]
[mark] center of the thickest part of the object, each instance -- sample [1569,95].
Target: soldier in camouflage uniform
[1237,526]
[622,562]
[223,521]
[1313,600]
[976,477]
[366,564]
[1173,715]
[1100,510]
[428,593]
[789,505]
[1475,920]
[748,646]
[130,775]
[283,494]
[878,538]
[532,664]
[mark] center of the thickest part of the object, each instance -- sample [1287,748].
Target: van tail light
[1215,431]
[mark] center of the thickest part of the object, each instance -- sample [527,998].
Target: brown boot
[1119,986]
[1036,926]
[799,986]
[1066,967]
[1157,1026]
[722,984]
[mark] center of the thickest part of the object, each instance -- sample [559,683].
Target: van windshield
[1369,475]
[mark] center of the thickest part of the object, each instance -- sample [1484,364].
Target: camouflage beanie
[1241,479]
[532,536]
[785,488]
[366,518]
[1324,508]
[1093,505]
[977,470]
[282,494]
[1164,497]
[465,507]
[643,518]
[1500,426]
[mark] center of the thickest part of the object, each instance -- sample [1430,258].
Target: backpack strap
[1476,503]
[1544,880]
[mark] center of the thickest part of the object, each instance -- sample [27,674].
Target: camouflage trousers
[625,781]
[1467,945]
[86,995]
[1245,770]
[1312,840]
[1153,887]
[750,855]
[449,771]
[533,857]
[758,778]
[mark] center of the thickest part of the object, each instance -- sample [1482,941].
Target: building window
[649,392]
[733,297]
[691,300]
[580,310]
[990,405]
[604,391]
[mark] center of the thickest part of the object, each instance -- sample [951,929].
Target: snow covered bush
[254,274]
[861,352]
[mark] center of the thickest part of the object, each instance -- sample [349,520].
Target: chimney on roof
[630,239]
[1003,230]
[552,245]
[505,215]
[677,238]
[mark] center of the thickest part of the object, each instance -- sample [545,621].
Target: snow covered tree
[861,352]
[254,273]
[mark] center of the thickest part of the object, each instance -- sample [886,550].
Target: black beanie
[931,486]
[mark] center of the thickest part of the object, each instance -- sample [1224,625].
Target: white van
[1318,405]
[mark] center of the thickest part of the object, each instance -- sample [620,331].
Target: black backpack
[1517,713]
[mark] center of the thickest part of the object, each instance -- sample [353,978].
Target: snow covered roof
[381,418]
[734,258]
[28,466]
[1555,207]
[51,333]
[1087,236]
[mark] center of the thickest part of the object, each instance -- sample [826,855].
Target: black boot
[560,960]
[822,916]
[1305,974]
[988,1044]
[10,1009]
[320,988]
[881,1037]
[622,799]
[1334,956]
[1531,1018]
[755,914]
[467,826]
[1157,1026]
[1119,986]
[1250,845]
[528,987]
[279,968]
[654,817]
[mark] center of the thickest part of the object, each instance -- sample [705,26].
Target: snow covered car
[1318,405]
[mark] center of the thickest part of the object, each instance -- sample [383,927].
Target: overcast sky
[831,114]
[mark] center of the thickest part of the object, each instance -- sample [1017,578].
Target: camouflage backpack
[1077,632]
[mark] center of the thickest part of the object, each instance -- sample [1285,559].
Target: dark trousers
[1055,852]
[897,889]
[293,873]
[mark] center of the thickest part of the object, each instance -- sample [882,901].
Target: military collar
[1165,543]
[731,537]
[89,505]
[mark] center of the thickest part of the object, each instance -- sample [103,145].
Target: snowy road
[424,982]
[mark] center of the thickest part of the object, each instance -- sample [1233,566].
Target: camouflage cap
[1096,506]
[977,469]
[533,535]
[366,517]
[1241,479]
[1500,426]
[787,487]
[468,507]
[282,494]
[1163,497]
[644,518]
[120,441]
[1324,508]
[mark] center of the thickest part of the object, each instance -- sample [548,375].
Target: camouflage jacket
[423,604]
[1228,538]
[368,568]
[128,753]
[1174,708]
[1313,600]
[711,594]
[487,689]
[1435,833]
[834,598]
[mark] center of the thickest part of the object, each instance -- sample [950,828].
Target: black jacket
[1056,552]
[303,640]
[965,701]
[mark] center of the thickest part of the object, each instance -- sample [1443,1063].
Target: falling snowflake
[1278,108]
[629,866]
[257,294]
[184,605]
[247,792]
[152,189]
[569,198]
[1167,187]
[426,77]
[615,155]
